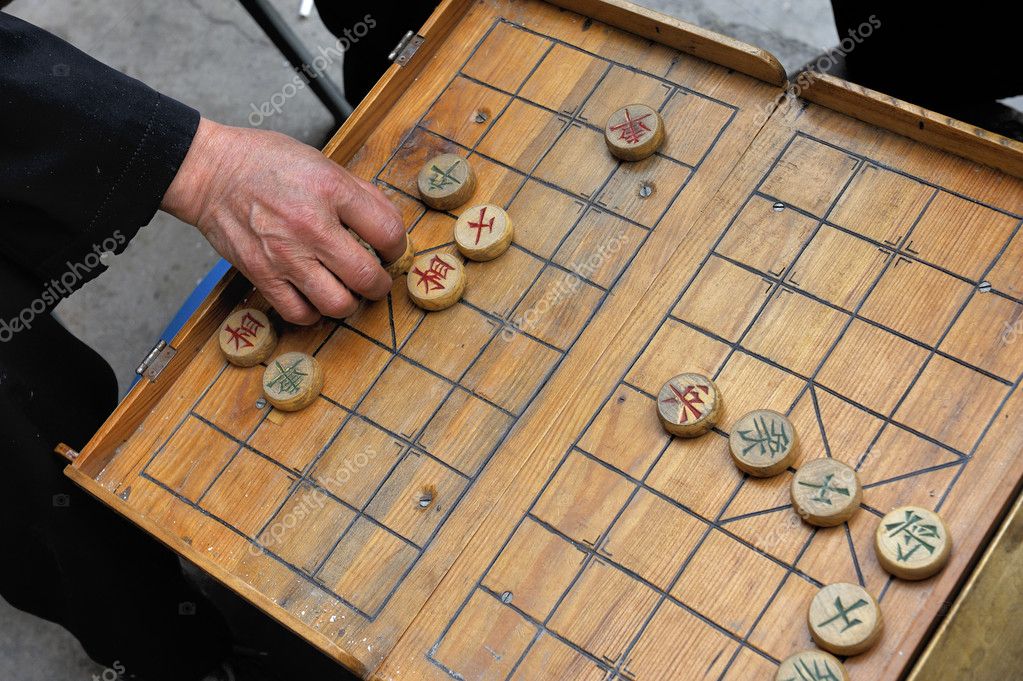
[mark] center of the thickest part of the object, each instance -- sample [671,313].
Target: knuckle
[297,313]
[343,306]
[394,228]
[364,275]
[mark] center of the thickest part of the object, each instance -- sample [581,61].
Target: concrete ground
[210,54]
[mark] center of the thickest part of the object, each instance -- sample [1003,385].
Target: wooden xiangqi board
[485,492]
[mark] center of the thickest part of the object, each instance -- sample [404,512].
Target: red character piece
[633,129]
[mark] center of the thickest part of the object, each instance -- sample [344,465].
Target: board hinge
[406,49]
[156,361]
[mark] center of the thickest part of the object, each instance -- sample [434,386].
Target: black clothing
[366,56]
[86,155]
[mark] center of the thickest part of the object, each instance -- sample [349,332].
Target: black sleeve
[86,155]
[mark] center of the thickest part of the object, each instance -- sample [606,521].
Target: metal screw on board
[481,117]
[260,403]
[506,597]
[984,286]
[645,190]
[778,207]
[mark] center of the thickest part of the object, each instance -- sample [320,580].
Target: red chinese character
[633,129]
[687,400]
[479,226]
[248,328]
[433,278]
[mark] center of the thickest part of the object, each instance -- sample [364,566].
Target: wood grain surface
[485,492]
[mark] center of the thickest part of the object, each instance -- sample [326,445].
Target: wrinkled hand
[276,209]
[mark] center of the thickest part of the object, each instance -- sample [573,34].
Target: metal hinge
[406,48]
[156,361]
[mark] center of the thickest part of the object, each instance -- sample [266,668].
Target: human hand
[276,209]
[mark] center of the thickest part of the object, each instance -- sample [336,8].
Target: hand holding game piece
[844,619]
[446,182]
[483,232]
[247,337]
[763,443]
[403,263]
[634,132]
[292,381]
[809,665]
[912,543]
[436,280]
[688,405]
[276,213]
[826,492]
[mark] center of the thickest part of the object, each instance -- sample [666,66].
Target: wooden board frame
[834,94]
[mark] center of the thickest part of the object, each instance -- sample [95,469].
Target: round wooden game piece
[912,543]
[247,337]
[844,619]
[292,381]
[483,232]
[810,665]
[826,492]
[634,132]
[446,182]
[763,443]
[404,262]
[688,405]
[436,280]
[362,242]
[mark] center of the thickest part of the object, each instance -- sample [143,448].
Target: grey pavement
[210,54]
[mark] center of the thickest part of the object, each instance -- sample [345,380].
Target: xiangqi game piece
[362,242]
[436,280]
[404,262]
[688,405]
[811,665]
[483,232]
[844,619]
[763,443]
[446,182]
[634,132]
[826,492]
[912,543]
[292,381]
[247,337]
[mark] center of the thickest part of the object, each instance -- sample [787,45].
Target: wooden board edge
[240,587]
[682,36]
[187,342]
[910,120]
[392,85]
[978,601]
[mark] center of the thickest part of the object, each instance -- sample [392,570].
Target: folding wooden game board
[486,493]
